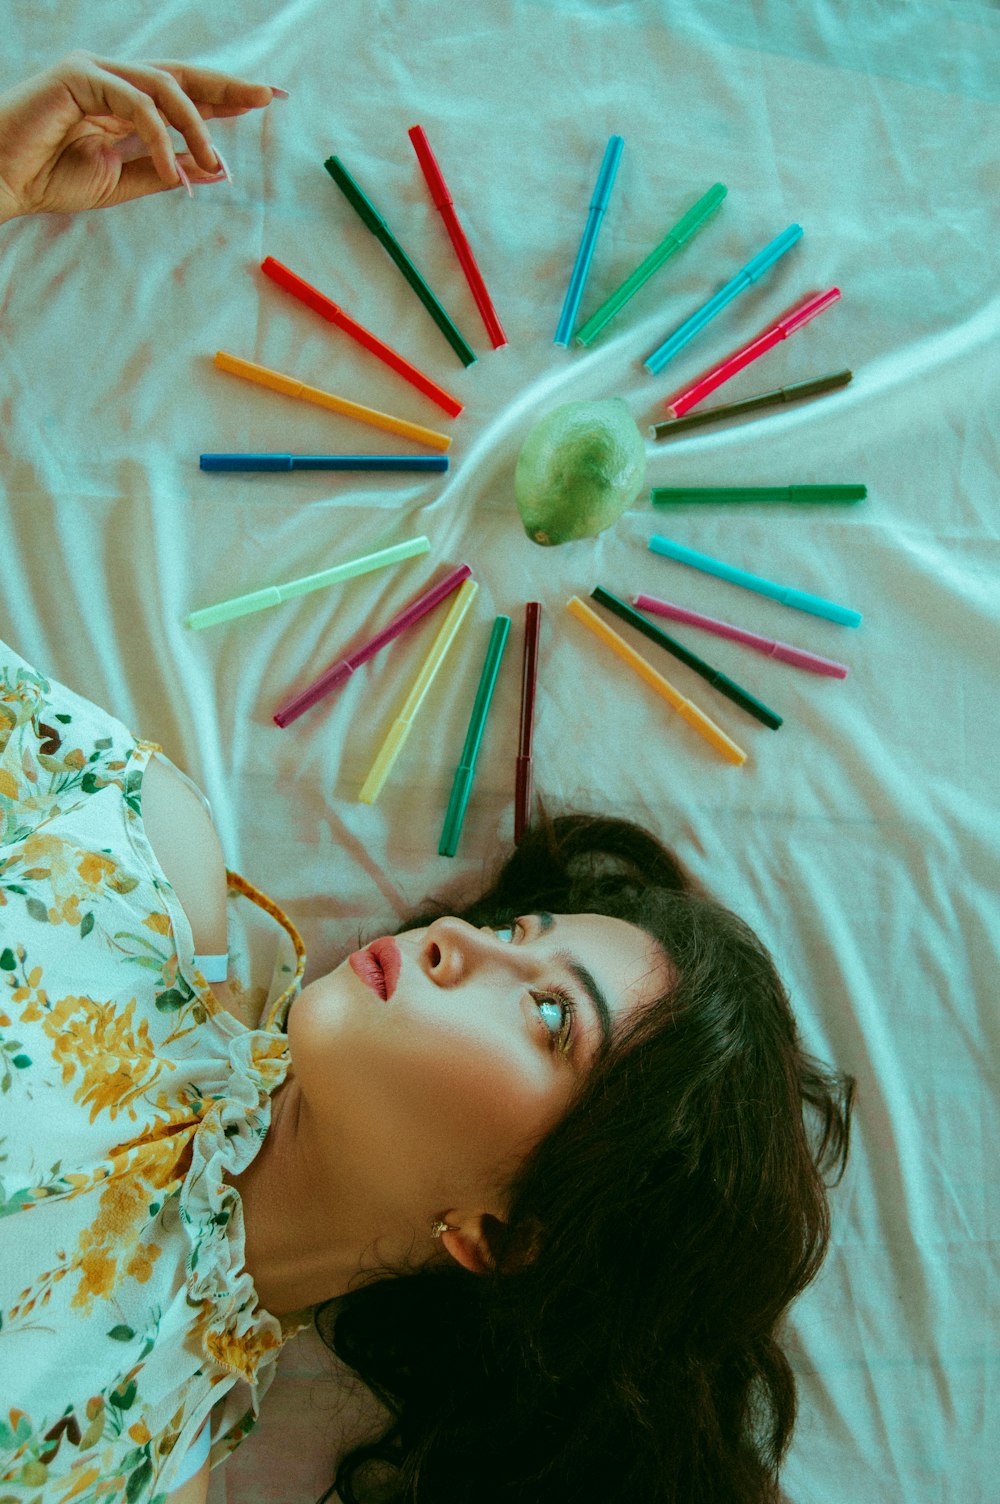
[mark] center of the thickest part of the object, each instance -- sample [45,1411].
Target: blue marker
[324,462]
[598,204]
[814,604]
[761,263]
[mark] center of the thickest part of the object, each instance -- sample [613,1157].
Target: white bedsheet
[860,839]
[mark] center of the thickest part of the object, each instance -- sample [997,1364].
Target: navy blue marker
[437,462]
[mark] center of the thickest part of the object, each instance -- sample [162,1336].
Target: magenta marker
[334,676]
[783,650]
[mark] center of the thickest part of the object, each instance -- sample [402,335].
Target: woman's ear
[468,1249]
[481,1247]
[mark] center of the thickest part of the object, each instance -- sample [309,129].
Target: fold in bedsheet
[860,839]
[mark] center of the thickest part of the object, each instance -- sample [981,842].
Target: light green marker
[273,595]
[681,232]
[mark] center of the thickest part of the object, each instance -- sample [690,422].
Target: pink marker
[338,673]
[783,650]
[786,325]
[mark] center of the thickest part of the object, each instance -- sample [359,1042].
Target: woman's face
[436,1060]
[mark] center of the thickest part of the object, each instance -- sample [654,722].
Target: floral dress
[126,1094]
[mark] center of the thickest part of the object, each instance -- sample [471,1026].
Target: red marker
[445,205]
[786,325]
[529,675]
[315,300]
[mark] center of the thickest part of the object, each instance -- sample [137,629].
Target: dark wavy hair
[672,1215]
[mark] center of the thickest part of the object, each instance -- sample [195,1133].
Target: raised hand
[61,132]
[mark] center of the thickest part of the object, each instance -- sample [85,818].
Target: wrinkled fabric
[860,839]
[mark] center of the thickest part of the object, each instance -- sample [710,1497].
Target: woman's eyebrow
[588,982]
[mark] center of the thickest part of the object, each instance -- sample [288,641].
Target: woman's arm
[194,1491]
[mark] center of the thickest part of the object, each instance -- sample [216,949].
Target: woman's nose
[453,949]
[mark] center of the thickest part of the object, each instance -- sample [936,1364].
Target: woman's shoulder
[183,837]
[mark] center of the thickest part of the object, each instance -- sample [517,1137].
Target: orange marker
[290,386]
[684,707]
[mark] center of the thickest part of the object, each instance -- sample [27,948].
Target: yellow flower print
[118,1063]
[124,1208]
[140,1265]
[98,1269]
[69,875]
[109,1249]
[94,867]
[240,1354]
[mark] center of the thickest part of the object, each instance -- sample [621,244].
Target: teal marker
[800,599]
[682,231]
[465,772]
[749,274]
[598,205]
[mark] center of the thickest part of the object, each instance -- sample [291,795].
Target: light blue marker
[598,204]
[761,263]
[814,604]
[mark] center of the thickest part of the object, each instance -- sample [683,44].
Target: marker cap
[457,804]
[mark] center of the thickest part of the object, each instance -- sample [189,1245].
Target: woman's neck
[281,1254]
[306,1229]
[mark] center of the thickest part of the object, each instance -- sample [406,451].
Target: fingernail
[278,93]
[183,177]
[222,163]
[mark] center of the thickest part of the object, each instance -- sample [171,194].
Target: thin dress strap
[213,968]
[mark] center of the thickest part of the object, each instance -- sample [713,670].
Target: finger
[215,94]
[96,91]
[140,178]
[174,106]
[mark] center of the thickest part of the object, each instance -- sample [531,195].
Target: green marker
[664,495]
[681,232]
[369,215]
[273,595]
[776,398]
[718,680]
[466,770]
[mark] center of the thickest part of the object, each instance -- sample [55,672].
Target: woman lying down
[546,1172]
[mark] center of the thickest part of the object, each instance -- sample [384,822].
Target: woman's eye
[565,1009]
[561,1002]
[507,932]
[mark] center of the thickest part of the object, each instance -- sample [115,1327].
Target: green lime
[580,467]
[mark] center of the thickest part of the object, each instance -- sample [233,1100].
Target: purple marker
[783,650]
[338,673]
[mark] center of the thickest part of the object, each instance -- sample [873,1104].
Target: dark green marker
[718,680]
[777,398]
[668,495]
[366,211]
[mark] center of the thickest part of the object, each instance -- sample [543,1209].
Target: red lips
[378,966]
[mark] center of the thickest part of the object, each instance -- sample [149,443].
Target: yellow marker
[695,717]
[291,387]
[400,729]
